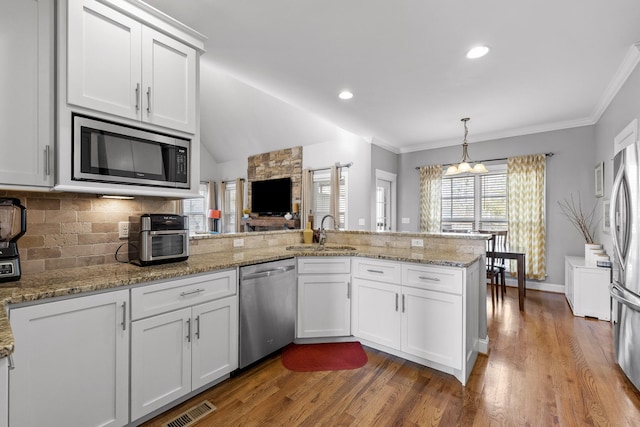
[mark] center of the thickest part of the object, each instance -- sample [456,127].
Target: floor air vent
[191,415]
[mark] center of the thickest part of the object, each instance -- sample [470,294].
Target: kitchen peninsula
[212,254]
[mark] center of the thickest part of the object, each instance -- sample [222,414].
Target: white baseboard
[538,286]
[483,345]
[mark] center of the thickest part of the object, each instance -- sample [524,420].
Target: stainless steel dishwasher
[268,300]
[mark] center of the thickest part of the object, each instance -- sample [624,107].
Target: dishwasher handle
[268,273]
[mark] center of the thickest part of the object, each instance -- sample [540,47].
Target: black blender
[13,224]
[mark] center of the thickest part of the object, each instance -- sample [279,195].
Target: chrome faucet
[323,236]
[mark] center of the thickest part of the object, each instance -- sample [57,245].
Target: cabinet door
[104,59]
[160,361]
[215,340]
[26,85]
[569,273]
[71,362]
[324,306]
[432,326]
[4,392]
[376,312]
[169,82]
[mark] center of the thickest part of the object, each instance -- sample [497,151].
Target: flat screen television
[271,197]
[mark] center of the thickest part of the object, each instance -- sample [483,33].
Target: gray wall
[570,170]
[623,109]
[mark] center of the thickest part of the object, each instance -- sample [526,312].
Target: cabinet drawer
[382,271]
[179,293]
[324,265]
[441,279]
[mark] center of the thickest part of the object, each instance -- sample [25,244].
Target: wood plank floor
[545,367]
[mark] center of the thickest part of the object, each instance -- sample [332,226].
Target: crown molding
[508,133]
[629,63]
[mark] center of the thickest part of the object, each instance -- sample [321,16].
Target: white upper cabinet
[26,85]
[105,59]
[168,81]
[117,65]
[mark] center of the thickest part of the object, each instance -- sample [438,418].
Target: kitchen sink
[319,248]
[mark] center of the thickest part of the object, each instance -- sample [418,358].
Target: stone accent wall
[277,164]
[67,230]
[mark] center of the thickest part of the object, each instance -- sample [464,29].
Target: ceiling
[273,69]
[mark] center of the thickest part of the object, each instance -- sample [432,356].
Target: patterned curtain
[527,230]
[222,187]
[430,198]
[239,203]
[307,197]
[334,202]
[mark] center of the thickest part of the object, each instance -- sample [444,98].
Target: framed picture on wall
[599,175]
[606,220]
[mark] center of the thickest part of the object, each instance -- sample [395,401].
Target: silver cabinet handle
[149,100]
[198,327]
[196,291]
[188,330]
[47,160]
[432,279]
[403,303]
[124,316]
[12,365]
[349,290]
[396,302]
[375,271]
[137,96]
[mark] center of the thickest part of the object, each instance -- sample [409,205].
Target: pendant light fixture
[464,166]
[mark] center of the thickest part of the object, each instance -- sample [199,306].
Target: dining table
[520,261]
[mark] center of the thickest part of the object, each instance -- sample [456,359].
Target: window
[322,197]
[475,202]
[229,220]
[196,209]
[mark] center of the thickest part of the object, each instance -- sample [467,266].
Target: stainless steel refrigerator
[625,289]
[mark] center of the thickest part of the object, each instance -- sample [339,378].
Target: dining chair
[495,267]
[500,263]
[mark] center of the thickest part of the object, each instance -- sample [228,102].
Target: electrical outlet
[123,229]
[417,243]
[406,220]
[238,243]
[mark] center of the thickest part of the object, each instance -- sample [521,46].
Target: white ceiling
[272,69]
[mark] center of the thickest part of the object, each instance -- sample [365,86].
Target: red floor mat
[324,357]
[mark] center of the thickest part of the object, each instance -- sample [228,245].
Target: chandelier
[464,166]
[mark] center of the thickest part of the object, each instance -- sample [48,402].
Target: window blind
[474,202]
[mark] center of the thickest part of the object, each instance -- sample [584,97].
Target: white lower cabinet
[587,288]
[71,362]
[324,300]
[432,326]
[179,351]
[376,315]
[428,314]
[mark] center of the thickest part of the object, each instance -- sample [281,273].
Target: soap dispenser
[307,234]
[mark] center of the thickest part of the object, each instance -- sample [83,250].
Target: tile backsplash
[67,230]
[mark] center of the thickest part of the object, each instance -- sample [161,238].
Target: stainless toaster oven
[158,238]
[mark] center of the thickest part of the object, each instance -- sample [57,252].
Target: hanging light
[464,165]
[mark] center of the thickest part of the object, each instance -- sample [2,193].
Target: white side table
[587,288]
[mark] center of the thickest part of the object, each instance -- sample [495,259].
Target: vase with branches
[581,220]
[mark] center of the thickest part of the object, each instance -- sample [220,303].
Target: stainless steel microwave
[108,152]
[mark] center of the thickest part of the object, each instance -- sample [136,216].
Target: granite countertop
[95,278]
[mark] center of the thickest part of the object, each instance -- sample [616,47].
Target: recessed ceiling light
[345,94]
[477,52]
